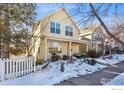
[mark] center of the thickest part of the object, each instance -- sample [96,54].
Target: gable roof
[89,30]
[66,13]
[84,38]
[72,20]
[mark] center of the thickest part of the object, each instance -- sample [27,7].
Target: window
[55,28]
[55,47]
[52,27]
[68,31]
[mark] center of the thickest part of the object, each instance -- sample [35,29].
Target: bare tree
[88,13]
[100,36]
[103,25]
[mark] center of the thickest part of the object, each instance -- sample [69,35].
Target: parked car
[77,55]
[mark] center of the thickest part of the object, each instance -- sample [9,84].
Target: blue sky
[45,9]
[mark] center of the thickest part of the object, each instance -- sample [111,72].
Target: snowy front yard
[53,75]
[115,59]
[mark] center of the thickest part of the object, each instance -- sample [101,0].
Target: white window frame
[69,31]
[55,27]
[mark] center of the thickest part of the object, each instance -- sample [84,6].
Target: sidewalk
[96,78]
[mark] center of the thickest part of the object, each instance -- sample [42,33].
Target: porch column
[96,47]
[70,49]
[91,47]
[45,52]
[87,48]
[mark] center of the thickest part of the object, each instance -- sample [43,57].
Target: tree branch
[103,25]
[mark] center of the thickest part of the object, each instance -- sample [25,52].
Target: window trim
[51,45]
[55,27]
[65,31]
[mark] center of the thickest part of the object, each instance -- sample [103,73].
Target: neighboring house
[57,32]
[121,37]
[95,37]
[102,41]
[111,43]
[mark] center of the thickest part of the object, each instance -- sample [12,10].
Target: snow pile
[115,59]
[53,75]
[119,80]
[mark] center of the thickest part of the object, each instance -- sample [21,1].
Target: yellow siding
[82,48]
[62,18]
[75,48]
[64,48]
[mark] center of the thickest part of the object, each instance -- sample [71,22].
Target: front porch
[61,46]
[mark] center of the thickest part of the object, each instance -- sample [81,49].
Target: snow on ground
[118,80]
[115,59]
[52,74]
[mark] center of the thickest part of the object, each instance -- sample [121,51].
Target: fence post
[3,70]
[34,61]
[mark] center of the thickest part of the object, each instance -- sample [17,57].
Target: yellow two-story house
[57,32]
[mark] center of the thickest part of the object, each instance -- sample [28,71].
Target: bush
[91,53]
[39,62]
[65,57]
[84,55]
[29,55]
[55,57]
[99,54]
[106,52]
[115,50]
[91,61]
[77,55]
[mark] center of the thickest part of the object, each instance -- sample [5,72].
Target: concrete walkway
[96,78]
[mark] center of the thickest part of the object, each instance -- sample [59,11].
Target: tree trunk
[6,50]
[103,47]
[6,41]
[104,26]
[28,51]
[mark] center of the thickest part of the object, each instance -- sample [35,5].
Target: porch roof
[67,39]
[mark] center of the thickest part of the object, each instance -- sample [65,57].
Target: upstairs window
[52,27]
[68,31]
[55,28]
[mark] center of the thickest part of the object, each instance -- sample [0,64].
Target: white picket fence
[12,68]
